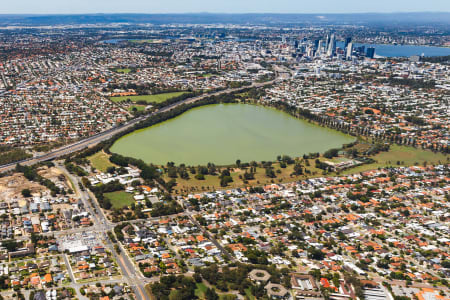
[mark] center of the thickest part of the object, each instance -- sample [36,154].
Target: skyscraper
[370,52]
[348,55]
[319,48]
[331,46]
[348,40]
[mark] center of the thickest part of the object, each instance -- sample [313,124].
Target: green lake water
[223,133]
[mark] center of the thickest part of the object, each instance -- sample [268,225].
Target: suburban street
[131,275]
[224,150]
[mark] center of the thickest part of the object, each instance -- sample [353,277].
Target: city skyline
[224,156]
[232,6]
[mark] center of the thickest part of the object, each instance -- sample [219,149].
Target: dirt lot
[55,175]
[11,187]
[50,173]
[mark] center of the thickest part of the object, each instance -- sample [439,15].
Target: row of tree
[345,127]
[10,154]
[30,173]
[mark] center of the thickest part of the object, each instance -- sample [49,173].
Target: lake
[223,133]
[402,50]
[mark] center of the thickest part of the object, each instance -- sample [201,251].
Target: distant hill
[387,19]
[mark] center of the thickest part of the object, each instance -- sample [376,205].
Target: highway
[131,273]
[105,135]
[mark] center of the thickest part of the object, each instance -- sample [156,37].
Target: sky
[220,6]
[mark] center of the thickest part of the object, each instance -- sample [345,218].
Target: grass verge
[100,161]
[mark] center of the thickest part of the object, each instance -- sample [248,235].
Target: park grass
[402,156]
[212,183]
[100,161]
[157,98]
[222,296]
[396,156]
[120,199]
[200,290]
[138,107]
[208,75]
[124,70]
[249,294]
[140,41]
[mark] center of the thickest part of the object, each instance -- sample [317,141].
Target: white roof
[78,249]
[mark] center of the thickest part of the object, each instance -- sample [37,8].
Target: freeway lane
[102,136]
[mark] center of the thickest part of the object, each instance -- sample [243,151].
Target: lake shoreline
[332,138]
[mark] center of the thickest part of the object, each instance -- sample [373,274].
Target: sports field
[120,199]
[157,98]
[402,156]
[100,161]
[125,71]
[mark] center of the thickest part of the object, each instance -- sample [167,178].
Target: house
[28,250]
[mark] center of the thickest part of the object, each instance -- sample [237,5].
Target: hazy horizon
[229,7]
[225,13]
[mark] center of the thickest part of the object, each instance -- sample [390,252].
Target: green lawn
[158,98]
[222,296]
[404,155]
[213,182]
[125,71]
[138,107]
[407,156]
[140,41]
[248,293]
[100,161]
[200,290]
[120,199]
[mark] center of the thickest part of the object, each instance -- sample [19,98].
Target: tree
[249,176]
[26,193]
[331,153]
[270,173]
[401,298]
[175,295]
[111,170]
[298,170]
[225,180]
[315,253]
[199,176]
[222,285]
[197,277]
[211,294]
[10,245]
[172,172]
[446,264]
[35,237]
